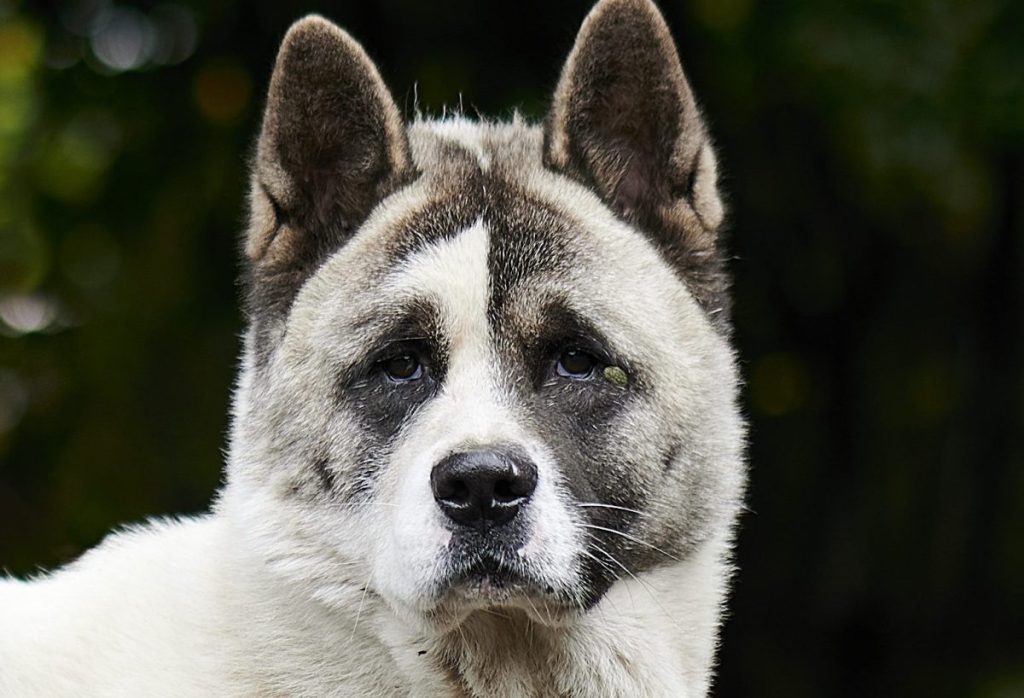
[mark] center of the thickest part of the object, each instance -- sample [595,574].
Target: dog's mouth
[489,578]
[492,583]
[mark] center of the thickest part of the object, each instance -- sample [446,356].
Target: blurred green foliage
[874,162]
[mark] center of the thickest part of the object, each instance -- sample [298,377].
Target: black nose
[481,488]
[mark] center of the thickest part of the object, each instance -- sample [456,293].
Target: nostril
[523,481]
[512,489]
[503,492]
[483,486]
[452,490]
[460,493]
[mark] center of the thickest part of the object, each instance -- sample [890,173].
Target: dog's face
[487,364]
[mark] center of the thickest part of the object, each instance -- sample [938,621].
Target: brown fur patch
[624,122]
[331,147]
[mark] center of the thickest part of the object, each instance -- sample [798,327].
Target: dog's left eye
[576,364]
[403,367]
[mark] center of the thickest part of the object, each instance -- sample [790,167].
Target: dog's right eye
[403,367]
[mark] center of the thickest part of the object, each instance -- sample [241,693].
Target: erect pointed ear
[624,122]
[332,145]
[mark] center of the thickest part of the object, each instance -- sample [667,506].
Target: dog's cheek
[408,553]
[597,441]
[342,445]
[612,460]
[343,466]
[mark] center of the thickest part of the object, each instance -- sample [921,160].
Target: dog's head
[487,364]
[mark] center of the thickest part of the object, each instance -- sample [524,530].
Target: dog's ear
[332,145]
[624,122]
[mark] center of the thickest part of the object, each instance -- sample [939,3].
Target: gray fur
[624,126]
[486,252]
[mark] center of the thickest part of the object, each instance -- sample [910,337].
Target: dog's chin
[489,586]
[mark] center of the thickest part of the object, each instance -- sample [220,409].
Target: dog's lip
[488,571]
[488,582]
[490,579]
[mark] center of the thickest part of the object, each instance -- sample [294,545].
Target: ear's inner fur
[332,146]
[624,123]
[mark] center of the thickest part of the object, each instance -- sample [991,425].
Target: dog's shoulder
[139,607]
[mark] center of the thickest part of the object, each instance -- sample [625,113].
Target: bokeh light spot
[176,34]
[24,255]
[25,314]
[931,389]
[126,41]
[72,165]
[722,14]
[20,47]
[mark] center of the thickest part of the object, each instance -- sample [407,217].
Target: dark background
[874,163]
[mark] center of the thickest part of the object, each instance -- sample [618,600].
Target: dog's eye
[403,367]
[576,364]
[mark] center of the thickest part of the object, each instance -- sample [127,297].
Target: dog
[485,435]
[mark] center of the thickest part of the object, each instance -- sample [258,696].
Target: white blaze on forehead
[453,275]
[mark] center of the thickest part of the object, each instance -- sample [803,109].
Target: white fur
[267,596]
[176,610]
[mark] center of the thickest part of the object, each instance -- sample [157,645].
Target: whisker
[604,564]
[535,611]
[359,611]
[540,616]
[610,506]
[632,538]
[611,557]
[645,585]
[492,612]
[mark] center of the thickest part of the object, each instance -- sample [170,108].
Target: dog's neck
[504,652]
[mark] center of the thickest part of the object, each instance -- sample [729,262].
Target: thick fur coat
[485,437]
